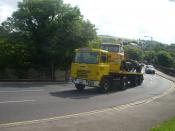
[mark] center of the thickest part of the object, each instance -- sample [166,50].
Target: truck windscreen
[86,57]
[110,48]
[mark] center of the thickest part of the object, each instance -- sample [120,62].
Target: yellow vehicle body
[92,72]
[97,71]
[116,55]
[89,72]
[115,60]
[100,68]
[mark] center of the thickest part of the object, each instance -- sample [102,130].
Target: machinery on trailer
[104,68]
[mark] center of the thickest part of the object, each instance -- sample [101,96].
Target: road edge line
[114,108]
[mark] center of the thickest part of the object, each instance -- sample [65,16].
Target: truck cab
[88,67]
[116,55]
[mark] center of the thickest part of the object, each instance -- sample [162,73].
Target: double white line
[121,107]
[20,91]
[20,101]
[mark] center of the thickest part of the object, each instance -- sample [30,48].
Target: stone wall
[169,71]
[33,74]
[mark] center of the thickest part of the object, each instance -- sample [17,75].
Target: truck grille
[82,73]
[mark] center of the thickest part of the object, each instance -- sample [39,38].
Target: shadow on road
[74,94]
[85,94]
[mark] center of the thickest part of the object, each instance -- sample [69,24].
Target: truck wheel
[123,83]
[140,80]
[105,86]
[80,87]
[134,81]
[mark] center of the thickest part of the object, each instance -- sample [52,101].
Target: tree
[164,59]
[133,52]
[51,30]
[108,39]
[95,43]
[150,57]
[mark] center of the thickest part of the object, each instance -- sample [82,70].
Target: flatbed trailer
[117,81]
[120,81]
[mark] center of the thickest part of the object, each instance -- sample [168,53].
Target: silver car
[149,69]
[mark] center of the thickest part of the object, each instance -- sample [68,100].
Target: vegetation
[166,126]
[160,54]
[133,52]
[151,52]
[108,39]
[43,34]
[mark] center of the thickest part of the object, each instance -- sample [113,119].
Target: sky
[132,19]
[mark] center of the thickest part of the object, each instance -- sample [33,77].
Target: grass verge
[166,126]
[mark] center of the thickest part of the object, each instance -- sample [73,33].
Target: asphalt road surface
[31,101]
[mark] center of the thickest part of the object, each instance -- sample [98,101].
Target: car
[142,64]
[149,69]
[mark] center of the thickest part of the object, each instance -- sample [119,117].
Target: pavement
[140,116]
[171,78]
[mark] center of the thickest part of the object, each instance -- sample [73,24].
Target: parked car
[149,69]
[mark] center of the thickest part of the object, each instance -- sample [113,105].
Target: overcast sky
[122,18]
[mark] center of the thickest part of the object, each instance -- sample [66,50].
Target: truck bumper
[90,83]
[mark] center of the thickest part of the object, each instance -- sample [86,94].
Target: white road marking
[20,101]
[115,108]
[20,91]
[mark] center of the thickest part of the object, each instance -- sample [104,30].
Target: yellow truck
[104,68]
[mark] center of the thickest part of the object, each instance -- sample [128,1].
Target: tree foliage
[48,30]
[133,52]
[150,52]
[150,57]
[164,59]
[108,39]
[160,54]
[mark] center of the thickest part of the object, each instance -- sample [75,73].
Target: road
[30,101]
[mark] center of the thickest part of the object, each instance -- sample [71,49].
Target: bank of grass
[166,126]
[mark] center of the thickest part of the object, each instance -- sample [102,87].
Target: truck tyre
[123,83]
[140,80]
[105,86]
[80,87]
[134,81]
